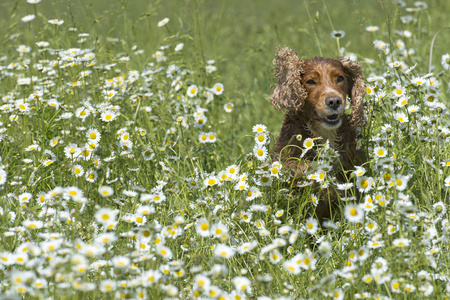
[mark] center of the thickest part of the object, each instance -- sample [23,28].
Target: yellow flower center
[364,184]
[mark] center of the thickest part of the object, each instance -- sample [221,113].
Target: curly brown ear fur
[353,70]
[289,93]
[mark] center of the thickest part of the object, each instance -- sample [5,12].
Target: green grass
[165,227]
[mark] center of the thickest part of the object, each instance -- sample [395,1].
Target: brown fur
[305,92]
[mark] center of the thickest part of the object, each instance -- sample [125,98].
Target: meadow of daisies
[130,170]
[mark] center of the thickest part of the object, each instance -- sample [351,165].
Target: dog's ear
[357,91]
[289,93]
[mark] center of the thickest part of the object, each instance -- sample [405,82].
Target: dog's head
[318,88]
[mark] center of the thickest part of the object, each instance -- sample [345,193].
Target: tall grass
[135,153]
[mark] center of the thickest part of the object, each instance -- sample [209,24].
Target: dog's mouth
[329,122]
[332,120]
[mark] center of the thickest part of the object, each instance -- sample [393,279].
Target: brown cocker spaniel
[313,95]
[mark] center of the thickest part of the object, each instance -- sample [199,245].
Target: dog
[313,94]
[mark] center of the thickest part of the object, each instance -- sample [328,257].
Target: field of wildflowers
[130,169]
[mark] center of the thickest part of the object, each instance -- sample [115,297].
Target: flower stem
[432,44]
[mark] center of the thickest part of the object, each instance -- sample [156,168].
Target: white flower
[179,47]
[56,22]
[246,247]
[401,182]
[380,45]
[202,227]
[292,267]
[210,69]
[402,101]
[23,49]
[218,89]
[107,285]
[364,183]
[401,117]
[337,34]
[78,170]
[105,191]
[259,128]
[28,18]
[33,224]
[108,116]
[2,176]
[211,180]
[312,226]
[164,251]
[228,107]
[418,81]
[359,171]
[372,28]
[445,61]
[439,208]
[308,143]
[222,250]
[43,44]
[261,138]
[219,230]
[106,215]
[380,151]
[242,284]
[338,294]
[275,256]
[163,22]
[399,91]
[25,197]
[260,152]
[120,261]
[150,276]
[401,242]
[192,91]
[353,213]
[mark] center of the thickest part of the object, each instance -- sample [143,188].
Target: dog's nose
[333,102]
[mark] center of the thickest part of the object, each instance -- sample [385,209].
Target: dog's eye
[340,79]
[311,82]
